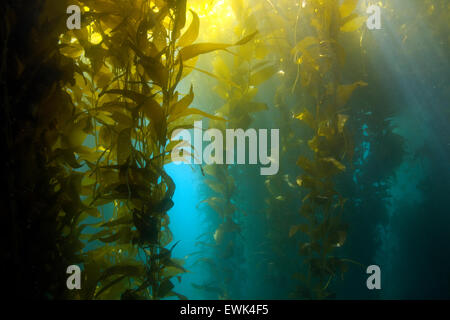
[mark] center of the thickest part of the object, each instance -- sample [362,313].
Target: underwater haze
[353,98]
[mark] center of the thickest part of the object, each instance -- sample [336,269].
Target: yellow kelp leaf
[342,120]
[73,50]
[183,104]
[353,24]
[103,78]
[191,33]
[347,7]
[104,117]
[246,39]
[344,92]
[88,154]
[307,117]
[197,49]
[262,75]
[336,163]
[194,111]
[188,67]
[304,44]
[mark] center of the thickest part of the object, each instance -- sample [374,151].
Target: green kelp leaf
[262,75]
[183,103]
[124,146]
[353,24]
[191,33]
[347,7]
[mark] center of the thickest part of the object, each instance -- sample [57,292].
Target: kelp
[312,58]
[237,81]
[130,60]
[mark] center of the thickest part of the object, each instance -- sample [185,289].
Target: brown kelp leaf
[347,7]
[191,33]
[353,24]
[164,288]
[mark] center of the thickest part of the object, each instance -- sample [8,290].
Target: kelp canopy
[87,119]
